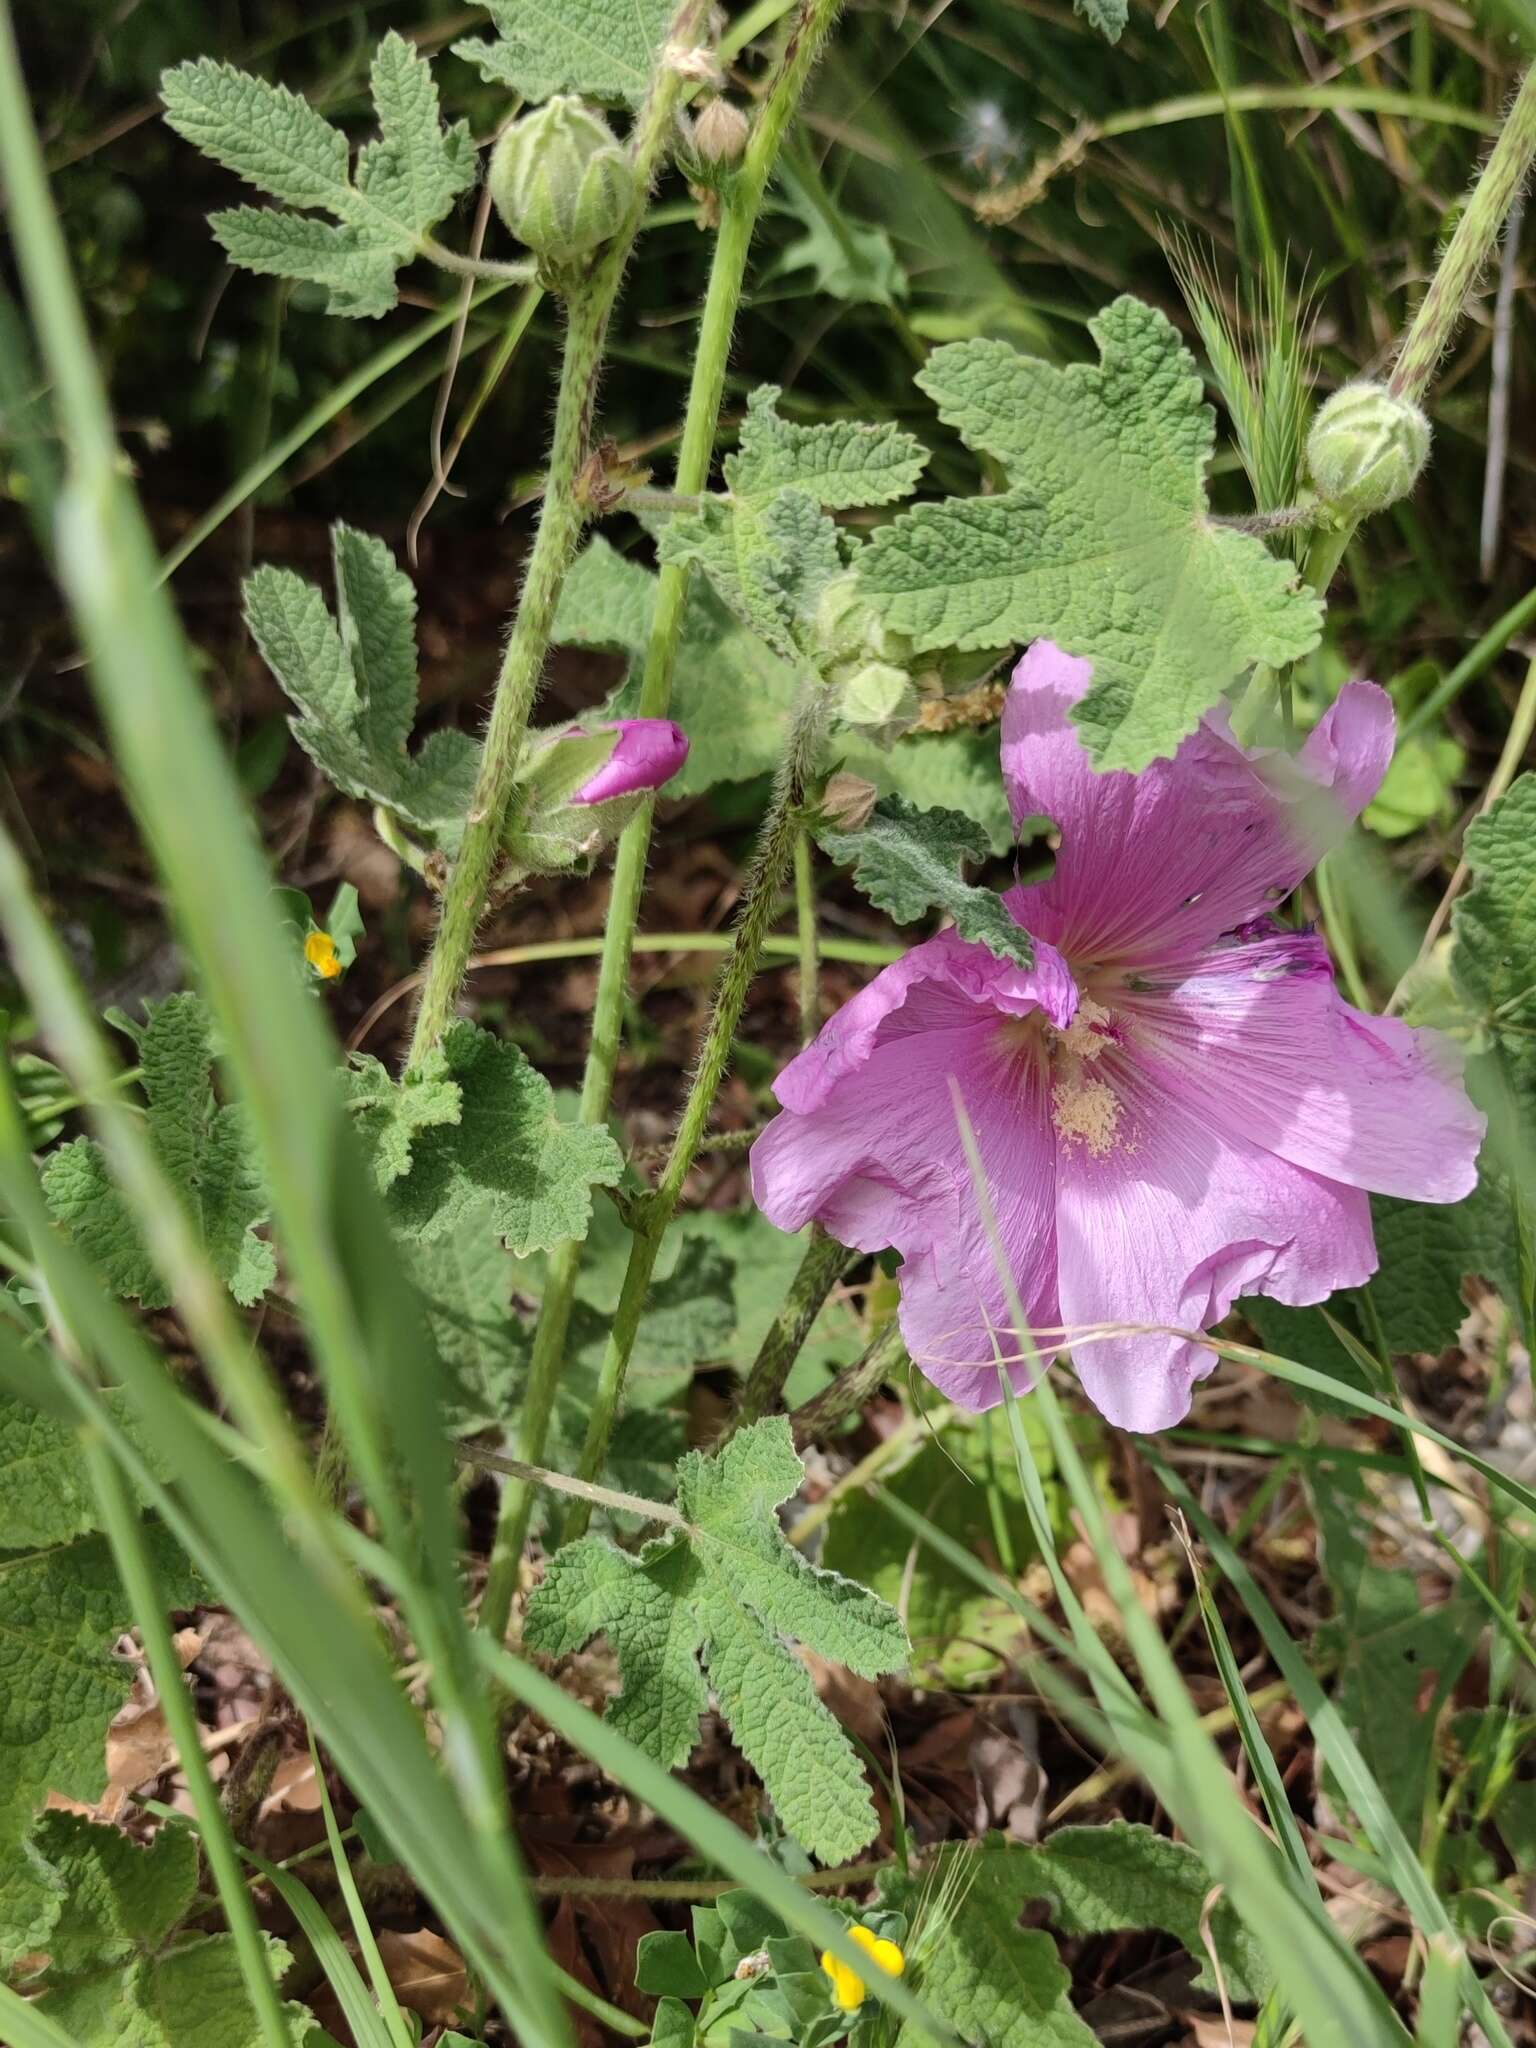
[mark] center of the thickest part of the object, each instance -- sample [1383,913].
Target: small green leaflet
[854,263]
[353,678]
[116,1976]
[206,1152]
[1494,961]
[61,1613]
[403,184]
[842,464]
[1102,543]
[908,862]
[730,1589]
[475,1125]
[602,49]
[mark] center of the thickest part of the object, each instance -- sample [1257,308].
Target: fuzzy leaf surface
[993,1980]
[729,1591]
[61,1613]
[1125,1875]
[404,183]
[354,680]
[1103,542]
[117,1977]
[392,1114]
[507,1149]
[1494,960]
[769,559]
[841,463]
[908,862]
[602,49]
[206,1152]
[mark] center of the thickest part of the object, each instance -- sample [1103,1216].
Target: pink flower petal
[1170,1227]
[650,751]
[1156,865]
[1256,1035]
[869,1145]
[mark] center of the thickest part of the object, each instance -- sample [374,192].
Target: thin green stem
[741,204]
[1429,335]
[576,1489]
[1470,247]
[805,922]
[775,854]
[823,1265]
[1474,663]
[125,1533]
[562,515]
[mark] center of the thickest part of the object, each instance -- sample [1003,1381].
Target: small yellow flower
[848,1987]
[320,951]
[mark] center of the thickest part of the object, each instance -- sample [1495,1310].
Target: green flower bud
[720,134]
[850,633]
[1366,449]
[561,181]
[879,698]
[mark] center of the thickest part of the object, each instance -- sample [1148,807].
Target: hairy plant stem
[562,516]
[852,1387]
[805,925]
[741,203]
[1429,335]
[578,1489]
[823,1265]
[776,847]
[1470,248]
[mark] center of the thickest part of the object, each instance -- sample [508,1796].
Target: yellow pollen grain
[1088,1110]
[320,951]
[1084,1036]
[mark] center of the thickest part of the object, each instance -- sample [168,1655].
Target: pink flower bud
[650,752]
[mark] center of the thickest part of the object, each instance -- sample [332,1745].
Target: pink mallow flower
[650,752]
[1173,1106]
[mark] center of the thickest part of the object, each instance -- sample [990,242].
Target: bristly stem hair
[741,203]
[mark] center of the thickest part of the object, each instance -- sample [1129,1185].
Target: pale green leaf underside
[353,678]
[1103,541]
[729,1592]
[770,559]
[603,49]
[403,184]
[908,862]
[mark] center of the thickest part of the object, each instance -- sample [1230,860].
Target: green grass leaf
[909,861]
[404,183]
[62,1610]
[354,681]
[1102,542]
[730,1589]
[206,1151]
[840,463]
[603,49]
[507,1148]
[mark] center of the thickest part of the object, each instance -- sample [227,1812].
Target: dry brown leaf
[427,1973]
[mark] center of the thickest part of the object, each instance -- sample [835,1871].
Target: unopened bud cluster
[1366,449]
[860,655]
[562,182]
